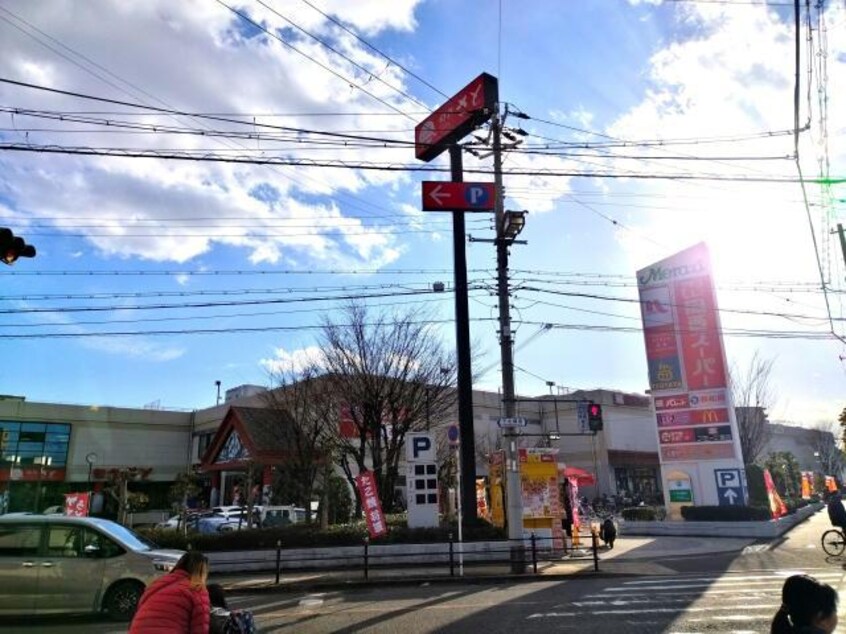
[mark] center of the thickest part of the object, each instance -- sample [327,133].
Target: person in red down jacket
[178,602]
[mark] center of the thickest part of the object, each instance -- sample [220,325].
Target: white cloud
[180,210]
[296,360]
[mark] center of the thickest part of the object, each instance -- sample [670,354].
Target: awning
[582,477]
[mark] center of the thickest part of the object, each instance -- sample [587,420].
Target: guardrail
[450,557]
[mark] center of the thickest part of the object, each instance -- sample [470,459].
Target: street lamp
[91,458]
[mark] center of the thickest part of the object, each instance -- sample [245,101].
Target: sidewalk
[630,556]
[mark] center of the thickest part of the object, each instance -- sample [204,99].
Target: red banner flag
[777,507]
[77,504]
[366,484]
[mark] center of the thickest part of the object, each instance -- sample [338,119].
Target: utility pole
[842,240]
[513,487]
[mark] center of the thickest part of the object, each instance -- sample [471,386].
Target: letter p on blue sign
[420,448]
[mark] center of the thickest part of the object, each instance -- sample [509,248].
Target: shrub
[644,513]
[755,483]
[726,513]
[309,536]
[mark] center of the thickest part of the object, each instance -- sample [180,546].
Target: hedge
[309,536]
[726,513]
[644,513]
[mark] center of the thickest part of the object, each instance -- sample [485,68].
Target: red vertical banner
[777,507]
[372,507]
[77,504]
[702,348]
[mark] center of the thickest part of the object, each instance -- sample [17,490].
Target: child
[226,621]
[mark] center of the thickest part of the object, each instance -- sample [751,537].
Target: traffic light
[13,247]
[595,417]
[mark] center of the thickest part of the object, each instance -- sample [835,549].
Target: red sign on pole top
[77,504]
[472,105]
[365,482]
[448,195]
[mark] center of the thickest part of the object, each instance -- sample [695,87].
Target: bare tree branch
[752,396]
[392,375]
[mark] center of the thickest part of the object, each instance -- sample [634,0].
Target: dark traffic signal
[13,247]
[594,417]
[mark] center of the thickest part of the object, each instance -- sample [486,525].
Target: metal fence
[450,558]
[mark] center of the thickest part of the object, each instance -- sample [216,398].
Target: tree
[307,408]
[842,420]
[786,473]
[752,396]
[186,486]
[389,372]
[830,456]
[117,486]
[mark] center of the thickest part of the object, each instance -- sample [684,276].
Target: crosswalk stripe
[732,578]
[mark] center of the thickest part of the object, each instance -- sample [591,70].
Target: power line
[384,167]
[346,80]
[376,50]
[342,55]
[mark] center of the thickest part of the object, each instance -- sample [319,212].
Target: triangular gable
[231,443]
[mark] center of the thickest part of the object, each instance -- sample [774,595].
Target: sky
[649,125]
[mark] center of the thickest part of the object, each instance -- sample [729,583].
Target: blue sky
[114,234]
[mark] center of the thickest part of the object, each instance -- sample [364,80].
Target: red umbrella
[583,477]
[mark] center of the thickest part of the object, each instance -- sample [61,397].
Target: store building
[49,449]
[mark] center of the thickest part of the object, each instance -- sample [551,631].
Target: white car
[56,564]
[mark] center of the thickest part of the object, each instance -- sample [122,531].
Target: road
[737,592]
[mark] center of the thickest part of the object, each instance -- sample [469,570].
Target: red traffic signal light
[13,247]
[594,417]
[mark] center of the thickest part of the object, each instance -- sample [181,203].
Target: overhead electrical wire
[311,58]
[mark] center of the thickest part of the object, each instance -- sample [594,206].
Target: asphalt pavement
[682,590]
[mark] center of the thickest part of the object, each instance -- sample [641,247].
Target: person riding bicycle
[836,511]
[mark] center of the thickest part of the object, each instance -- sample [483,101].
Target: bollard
[595,552]
[366,558]
[451,556]
[534,554]
[278,559]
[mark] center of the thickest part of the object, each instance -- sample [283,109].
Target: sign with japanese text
[685,357]
[77,504]
[365,482]
[469,107]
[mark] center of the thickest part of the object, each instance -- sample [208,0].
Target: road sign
[453,435]
[441,195]
[469,107]
[512,422]
[419,447]
[729,487]
[582,416]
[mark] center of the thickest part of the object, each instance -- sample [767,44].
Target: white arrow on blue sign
[729,487]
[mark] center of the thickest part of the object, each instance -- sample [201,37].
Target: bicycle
[834,542]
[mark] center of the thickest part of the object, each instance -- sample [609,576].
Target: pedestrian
[178,602]
[807,607]
[836,511]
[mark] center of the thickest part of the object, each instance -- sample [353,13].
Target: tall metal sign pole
[468,108]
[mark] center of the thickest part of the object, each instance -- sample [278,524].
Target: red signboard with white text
[686,361]
[77,504]
[469,107]
[365,482]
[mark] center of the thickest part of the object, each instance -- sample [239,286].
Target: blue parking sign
[729,487]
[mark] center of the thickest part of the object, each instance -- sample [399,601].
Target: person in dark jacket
[807,607]
[178,602]
[836,511]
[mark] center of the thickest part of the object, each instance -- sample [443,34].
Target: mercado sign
[695,419]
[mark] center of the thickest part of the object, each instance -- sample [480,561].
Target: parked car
[55,564]
[235,518]
[191,519]
[282,515]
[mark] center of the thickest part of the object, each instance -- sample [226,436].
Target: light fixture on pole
[90,458]
[217,383]
[512,224]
